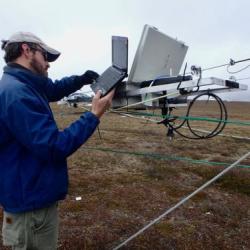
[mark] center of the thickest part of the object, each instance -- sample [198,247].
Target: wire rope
[182,201]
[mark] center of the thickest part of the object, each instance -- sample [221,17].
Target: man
[33,151]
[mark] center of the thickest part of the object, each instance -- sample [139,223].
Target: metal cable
[183,200]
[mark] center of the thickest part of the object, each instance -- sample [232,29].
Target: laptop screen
[120,52]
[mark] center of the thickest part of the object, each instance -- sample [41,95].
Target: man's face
[39,63]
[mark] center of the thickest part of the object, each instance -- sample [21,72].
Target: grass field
[134,173]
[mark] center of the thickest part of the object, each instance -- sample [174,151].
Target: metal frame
[225,85]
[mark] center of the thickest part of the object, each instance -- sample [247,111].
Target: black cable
[222,120]
[237,71]
[198,82]
[183,77]
[168,122]
[231,63]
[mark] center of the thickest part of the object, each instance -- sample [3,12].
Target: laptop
[114,75]
[158,56]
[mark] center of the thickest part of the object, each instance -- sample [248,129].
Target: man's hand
[89,77]
[101,104]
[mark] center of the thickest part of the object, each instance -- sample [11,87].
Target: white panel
[157,55]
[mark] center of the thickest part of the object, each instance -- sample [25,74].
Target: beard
[38,68]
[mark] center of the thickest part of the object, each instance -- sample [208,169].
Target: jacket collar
[26,76]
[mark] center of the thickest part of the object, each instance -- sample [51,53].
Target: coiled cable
[169,122]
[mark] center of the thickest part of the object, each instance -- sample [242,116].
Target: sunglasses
[42,51]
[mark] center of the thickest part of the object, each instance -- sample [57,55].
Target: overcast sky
[214,30]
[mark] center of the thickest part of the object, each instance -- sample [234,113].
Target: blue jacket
[33,152]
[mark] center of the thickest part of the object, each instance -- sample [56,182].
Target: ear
[26,52]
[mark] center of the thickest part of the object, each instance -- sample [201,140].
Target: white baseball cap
[18,37]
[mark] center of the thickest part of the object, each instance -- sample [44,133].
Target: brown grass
[122,191]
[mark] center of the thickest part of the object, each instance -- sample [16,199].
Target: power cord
[169,122]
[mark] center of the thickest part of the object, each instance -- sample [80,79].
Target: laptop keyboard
[111,75]
[108,80]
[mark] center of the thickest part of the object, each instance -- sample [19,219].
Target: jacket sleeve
[32,125]
[55,91]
